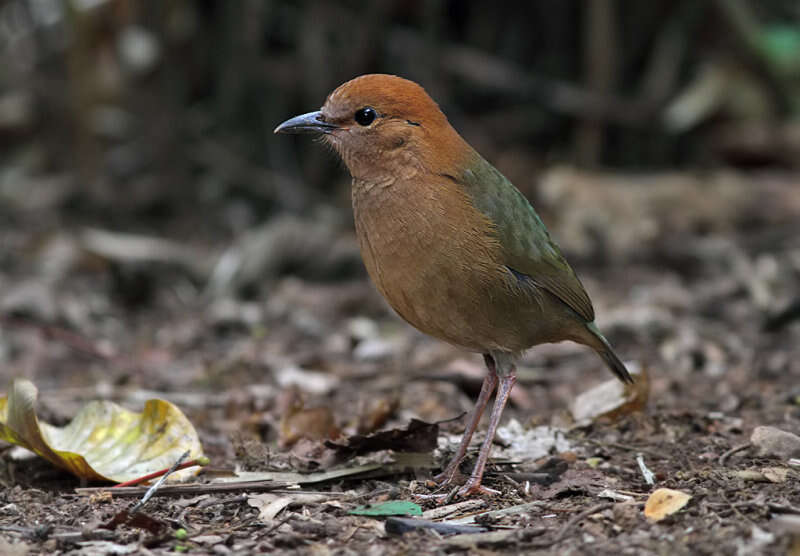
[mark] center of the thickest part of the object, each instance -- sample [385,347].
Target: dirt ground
[693,278]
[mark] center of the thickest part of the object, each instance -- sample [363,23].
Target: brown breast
[436,260]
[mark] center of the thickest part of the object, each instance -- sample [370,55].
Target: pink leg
[473,485]
[489,384]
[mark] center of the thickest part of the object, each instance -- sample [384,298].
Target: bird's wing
[527,246]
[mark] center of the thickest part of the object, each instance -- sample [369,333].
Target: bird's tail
[605,351]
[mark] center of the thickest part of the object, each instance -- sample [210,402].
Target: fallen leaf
[776,474]
[299,478]
[419,436]
[138,519]
[612,399]
[268,505]
[663,502]
[299,422]
[525,443]
[393,507]
[104,442]
[608,493]
[572,482]
[377,414]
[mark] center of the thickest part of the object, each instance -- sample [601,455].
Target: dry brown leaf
[316,423]
[612,400]
[419,436]
[268,505]
[663,502]
[299,422]
[377,414]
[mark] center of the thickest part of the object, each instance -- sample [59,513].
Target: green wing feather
[528,248]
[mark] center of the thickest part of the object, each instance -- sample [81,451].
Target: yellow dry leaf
[663,502]
[104,441]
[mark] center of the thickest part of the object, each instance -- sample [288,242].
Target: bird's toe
[476,488]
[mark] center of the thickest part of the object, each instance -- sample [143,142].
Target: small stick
[152,490]
[648,475]
[736,449]
[202,460]
[204,488]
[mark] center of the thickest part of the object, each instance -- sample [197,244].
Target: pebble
[774,442]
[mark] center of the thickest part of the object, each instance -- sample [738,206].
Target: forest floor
[691,276]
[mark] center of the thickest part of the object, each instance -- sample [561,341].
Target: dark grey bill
[312,122]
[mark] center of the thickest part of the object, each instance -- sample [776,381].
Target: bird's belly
[447,280]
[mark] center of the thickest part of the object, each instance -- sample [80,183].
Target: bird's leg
[488,386]
[473,484]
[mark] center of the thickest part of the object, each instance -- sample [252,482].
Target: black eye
[365,116]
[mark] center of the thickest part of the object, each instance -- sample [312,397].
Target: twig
[152,490]
[196,488]
[735,450]
[648,475]
[76,536]
[444,511]
[202,460]
[451,495]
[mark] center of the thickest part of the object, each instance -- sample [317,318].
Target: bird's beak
[313,122]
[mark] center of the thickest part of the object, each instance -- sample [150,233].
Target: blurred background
[146,109]
[155,234]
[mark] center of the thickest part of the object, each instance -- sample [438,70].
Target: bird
[451,244]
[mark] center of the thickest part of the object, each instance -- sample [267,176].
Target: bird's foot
[473,487]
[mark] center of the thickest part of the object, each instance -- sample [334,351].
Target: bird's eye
[365,116]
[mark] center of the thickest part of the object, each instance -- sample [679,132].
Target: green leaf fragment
[394,507]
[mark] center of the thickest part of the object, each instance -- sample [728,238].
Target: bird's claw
[475,487]
[471,487]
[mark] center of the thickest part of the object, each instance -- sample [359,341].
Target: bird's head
[382,126]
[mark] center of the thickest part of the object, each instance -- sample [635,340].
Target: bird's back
[527,246]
